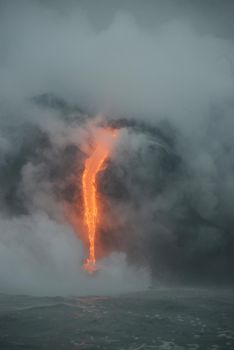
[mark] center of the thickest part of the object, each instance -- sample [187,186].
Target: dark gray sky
[208,15]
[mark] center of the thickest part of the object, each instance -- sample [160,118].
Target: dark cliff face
[153,202]
[167,222]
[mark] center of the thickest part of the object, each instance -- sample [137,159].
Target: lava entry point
[102,146]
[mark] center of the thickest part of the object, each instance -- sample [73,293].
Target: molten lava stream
[93,165]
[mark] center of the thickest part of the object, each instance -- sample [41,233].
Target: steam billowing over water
[167,190]
[159,74]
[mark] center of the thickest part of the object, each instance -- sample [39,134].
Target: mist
[163,75]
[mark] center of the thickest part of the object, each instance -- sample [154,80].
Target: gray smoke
[163,74]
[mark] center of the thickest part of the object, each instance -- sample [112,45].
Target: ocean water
[162,319]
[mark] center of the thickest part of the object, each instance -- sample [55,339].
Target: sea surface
[162,319]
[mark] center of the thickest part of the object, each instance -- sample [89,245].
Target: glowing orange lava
[93,165]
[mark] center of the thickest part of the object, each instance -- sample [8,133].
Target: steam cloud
[163,75]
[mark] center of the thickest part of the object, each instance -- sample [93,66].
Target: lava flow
[93,165]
